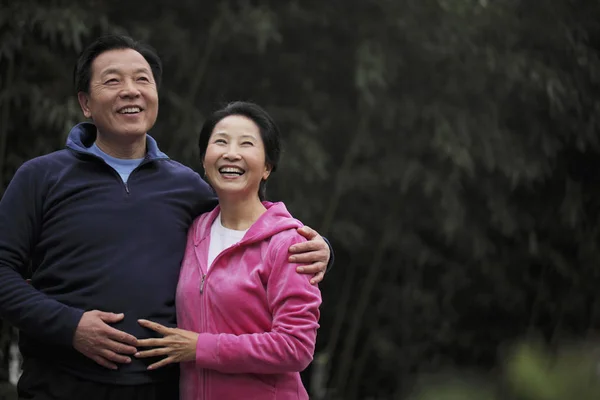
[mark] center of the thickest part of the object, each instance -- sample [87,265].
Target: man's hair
[83,69]
[269,133]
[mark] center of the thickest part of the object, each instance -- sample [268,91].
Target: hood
[83,135]
[276,219]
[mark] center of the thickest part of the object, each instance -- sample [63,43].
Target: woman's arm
[290,344]
[287,347]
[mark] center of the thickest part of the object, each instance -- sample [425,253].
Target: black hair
[269,133]
[83,69]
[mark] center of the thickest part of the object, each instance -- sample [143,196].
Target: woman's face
[235,158]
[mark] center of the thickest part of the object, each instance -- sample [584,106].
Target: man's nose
[129,89]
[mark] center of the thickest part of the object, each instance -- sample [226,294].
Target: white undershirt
[221,238]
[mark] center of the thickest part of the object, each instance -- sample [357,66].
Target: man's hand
[95,339]
[177,345]
[315,253]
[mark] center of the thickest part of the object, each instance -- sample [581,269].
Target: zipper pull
[202,283]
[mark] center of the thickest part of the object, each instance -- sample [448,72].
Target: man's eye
[112,80]
[144,79]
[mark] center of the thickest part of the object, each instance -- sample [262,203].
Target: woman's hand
[177,345]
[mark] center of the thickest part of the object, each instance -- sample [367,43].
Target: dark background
[449,150]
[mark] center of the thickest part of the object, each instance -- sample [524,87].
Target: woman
[247,320]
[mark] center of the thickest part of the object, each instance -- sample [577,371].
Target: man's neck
[130,149]
[240,214]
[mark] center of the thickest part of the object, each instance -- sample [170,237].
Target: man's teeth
[229,170]
[130,110]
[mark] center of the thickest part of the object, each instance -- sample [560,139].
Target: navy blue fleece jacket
[92,242]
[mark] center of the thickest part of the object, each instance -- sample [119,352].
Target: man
[103,224]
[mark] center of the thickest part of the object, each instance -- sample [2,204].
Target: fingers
[99,341]
[103,362]
[115,334]
[108,317]
[317,278]
[120,348]
[124,338]
[110,355]
[163,351]
[309,255]
[163,330]
[162,363]
[151,342]
[307,232]
[308,252]
[108,358]
[312,268]
[310,245]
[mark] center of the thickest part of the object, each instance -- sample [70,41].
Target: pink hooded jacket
[257,317]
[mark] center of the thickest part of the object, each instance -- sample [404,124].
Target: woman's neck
[240,214]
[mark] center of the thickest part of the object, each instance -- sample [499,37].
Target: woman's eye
[144,79]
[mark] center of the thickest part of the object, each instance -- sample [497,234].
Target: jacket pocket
[268,380]
[243,386]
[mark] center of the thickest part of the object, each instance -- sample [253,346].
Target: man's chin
[133,131]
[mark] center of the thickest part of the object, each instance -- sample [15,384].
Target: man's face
[122,99]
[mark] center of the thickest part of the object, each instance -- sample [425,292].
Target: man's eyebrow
[110,71]
[118,71]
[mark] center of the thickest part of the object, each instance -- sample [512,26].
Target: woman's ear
[267,171]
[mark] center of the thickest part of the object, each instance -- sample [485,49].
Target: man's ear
[84,100]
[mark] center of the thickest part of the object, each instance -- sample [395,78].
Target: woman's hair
[269,133]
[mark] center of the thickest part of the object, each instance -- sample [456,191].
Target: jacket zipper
[203,328]
[205,372]
[204,275]
[145,161]
[202,283]
[203,376]
[114,172]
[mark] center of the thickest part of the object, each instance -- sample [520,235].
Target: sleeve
[290,345]
[21,304]
[207,198]
[331,255]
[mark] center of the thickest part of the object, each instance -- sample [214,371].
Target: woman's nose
[231,154]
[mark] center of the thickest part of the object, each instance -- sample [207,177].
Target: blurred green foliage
[448,148]
[530,372]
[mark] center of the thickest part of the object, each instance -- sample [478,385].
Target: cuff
[331,255]
[71,322]
[207,350]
